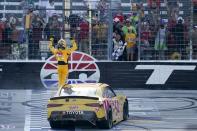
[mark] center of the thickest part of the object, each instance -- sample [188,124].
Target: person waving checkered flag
[119,47]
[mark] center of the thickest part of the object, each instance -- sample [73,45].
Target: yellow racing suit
[62,56]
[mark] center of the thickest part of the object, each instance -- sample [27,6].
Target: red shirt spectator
[145,35]
[84,29]
[171,41]
[2,27]
[171,24]
[194,2]
[153,3]
[120,17]
[15,34]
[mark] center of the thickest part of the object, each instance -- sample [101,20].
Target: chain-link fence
[155,30]
[120,30]
[25,33]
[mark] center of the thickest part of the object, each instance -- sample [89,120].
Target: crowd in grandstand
[154,38]
[134,33]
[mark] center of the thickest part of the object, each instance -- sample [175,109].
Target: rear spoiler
[79,97]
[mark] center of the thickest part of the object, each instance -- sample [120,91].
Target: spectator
[103,32]
[102,8]
[26,5]
[50,9]
[134,7]
[120,16]
[130,39]
[37,27]
[55,28]
[84,33]
[160,42]
[194,42]
[179,35]
[171,24]
[28,24]
[116,25]
[118,48]
[7,33]
[2,27]
[127,26]
[186,36]
[73,21]
[47,31]
[95,33]
[171,42]
[13,20]
[117,28]
[134,19]
[100,32]
[14,46]
[153,4]
[15,34]
[173,8]
[145,45]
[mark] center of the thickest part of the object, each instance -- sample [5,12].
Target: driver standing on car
[62,54]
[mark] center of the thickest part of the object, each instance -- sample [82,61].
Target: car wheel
[107,124]
[126,110]
[54,124]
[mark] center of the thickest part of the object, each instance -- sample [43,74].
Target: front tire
[125,110]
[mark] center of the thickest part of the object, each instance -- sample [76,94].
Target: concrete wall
[131,75]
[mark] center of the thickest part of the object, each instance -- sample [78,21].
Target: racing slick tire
[125,110]
[54,124]
[108,123]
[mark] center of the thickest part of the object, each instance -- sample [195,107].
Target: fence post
[90,26]
[110,31]
[190,33]
[139,37]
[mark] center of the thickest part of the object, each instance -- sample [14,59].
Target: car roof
[98,86]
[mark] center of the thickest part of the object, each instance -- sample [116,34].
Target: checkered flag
[119,51]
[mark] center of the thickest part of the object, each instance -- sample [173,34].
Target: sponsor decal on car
[73,112]
[82,69]
[74,107]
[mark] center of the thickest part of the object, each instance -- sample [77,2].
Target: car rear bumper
[89,116]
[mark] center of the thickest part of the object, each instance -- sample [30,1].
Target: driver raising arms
[62,54]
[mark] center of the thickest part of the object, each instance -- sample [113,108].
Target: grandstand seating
[14,7]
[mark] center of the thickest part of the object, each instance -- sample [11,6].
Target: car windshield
[78,91]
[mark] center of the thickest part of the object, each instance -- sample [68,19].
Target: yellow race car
[96,103]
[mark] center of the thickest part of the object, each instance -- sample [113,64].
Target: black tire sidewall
[110,118]
[125,110]
[54,124]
